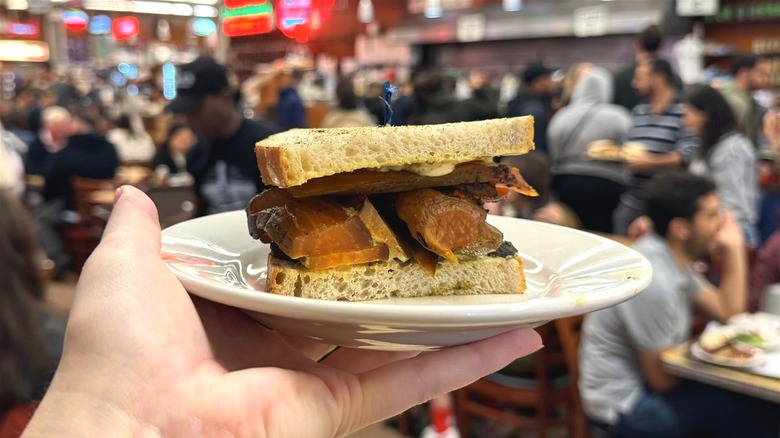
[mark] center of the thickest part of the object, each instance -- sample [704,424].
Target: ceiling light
[365,11]
[512,5]
[432,8]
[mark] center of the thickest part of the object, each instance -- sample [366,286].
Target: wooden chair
[520,402]
[570,332]
[92,199]
[174,204]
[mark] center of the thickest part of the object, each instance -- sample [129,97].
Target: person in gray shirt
[622,385]
[592,188]
[725,154]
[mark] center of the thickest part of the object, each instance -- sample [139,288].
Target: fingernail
[117,194]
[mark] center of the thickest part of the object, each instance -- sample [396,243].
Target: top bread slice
[293,157]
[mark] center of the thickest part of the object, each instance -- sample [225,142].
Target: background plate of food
[721,347]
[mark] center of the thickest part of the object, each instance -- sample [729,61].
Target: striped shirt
[659,133]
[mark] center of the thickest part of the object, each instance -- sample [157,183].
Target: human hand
[639,227]
[729,236]
[640,163]
[551,213]
[142,357]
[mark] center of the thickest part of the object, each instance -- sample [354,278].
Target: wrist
[78,414]
[733,251]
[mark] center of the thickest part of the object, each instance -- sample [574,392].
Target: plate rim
[440,314]
[699,353]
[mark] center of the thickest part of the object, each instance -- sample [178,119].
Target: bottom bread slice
[487,275]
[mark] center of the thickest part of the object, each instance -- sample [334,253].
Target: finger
[433,374]
[360,361]
[310,348]
[133,222]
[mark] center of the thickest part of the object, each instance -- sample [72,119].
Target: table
[677,361]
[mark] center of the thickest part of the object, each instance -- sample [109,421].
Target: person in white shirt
[131,143]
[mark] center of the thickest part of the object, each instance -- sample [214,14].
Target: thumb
[133,224]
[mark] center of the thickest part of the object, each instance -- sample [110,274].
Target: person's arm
[654,375]
[733,169]
[646,163]
[730,298]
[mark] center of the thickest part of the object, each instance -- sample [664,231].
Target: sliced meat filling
[371,181]
[319,232]
[447,225]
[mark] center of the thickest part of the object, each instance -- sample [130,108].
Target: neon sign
[23,29]
[100,25]
[125,28]
[75,20]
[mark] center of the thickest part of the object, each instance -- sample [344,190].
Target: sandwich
[398,211]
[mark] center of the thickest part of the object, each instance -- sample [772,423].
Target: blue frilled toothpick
[389,90]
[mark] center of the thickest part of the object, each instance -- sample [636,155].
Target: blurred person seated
[290,111]
[11,165]
[623,386]
[535,169]
[45,98]
[592,188]
[765,271]
[57,127]
[87,155]
[751,73]
[436,102]
[725,155]
[31,333]
[223,161]
[132,142]
[657,125]
[22,110]
[346,113]
[535,99]
[173,152]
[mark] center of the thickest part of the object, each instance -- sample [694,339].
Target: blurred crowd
[54,131]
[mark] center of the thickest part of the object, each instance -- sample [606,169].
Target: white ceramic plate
[568,272]
[758,358]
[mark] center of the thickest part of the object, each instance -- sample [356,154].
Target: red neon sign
[125,28]
[75,20]
[247,25]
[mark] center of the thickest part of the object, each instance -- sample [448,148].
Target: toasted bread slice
[486,275]
[293,157]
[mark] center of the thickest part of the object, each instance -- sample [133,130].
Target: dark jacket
[38,159]
[403,108]
[225,171]
[624,93]
[290,112]
[528,103]
[85,156]
[442,107]
[163,157]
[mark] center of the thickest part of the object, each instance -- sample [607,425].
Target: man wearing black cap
[223,161]
[535,100]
